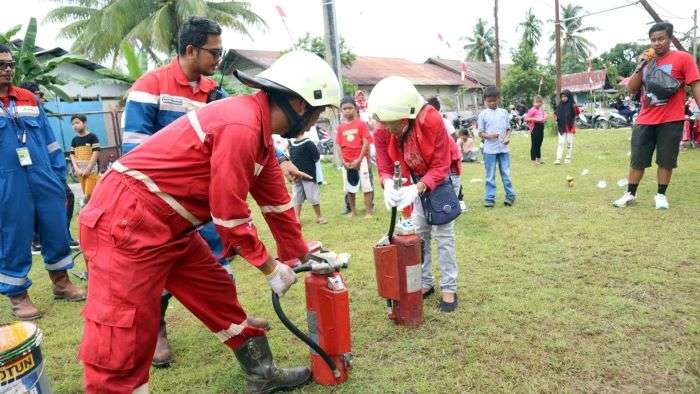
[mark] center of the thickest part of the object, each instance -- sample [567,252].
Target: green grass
[560,293]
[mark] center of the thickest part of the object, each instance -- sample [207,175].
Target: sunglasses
[5,65]
[215,52]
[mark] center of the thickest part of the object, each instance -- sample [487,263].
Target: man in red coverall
[138,230]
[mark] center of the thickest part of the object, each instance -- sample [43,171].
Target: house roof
[482,73]
[58,52]
[580,82]
[367,70]
[370,70]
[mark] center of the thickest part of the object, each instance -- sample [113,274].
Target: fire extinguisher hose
[390,236]
[297,332]
[392,223]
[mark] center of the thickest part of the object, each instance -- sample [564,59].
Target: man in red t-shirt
[660,122]
[352,137]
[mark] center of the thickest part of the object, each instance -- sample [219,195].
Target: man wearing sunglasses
[31,192]
[161,96]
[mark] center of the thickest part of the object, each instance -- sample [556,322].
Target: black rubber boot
[262,375]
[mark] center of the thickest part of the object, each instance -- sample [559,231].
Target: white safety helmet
[394,98]
[302,73]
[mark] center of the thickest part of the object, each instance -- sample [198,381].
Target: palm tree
[98,27]
[29,68]
[481,46]
[532,29]
[574,45]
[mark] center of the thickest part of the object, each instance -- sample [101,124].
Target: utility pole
[498,51]
[330,29]
[695,34]
[657,18]
[557,47]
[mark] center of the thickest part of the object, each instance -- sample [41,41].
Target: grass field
[560,293]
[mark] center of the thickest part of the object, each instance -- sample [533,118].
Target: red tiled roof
[579,82]
[368,70]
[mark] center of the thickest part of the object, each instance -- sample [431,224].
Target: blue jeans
[503,160]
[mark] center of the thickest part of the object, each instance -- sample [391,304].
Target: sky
[407,28]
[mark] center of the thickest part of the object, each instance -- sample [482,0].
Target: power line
[597,12]
[666,11]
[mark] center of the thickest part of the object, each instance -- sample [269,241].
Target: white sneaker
[661,201]
[557,162]
[626,199]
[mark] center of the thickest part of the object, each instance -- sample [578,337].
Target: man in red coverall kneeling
[138,230]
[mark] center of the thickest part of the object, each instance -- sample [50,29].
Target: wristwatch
[282,158]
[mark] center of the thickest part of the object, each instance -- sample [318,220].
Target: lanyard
[11,112]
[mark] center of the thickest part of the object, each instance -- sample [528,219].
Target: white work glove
[407,195]
[281,279]
[391,195]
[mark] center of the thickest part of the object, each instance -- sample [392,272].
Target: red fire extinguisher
[328,317]
[397,263]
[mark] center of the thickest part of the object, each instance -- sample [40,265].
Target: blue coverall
[30,194]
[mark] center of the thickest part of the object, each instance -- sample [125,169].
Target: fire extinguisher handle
[303,337]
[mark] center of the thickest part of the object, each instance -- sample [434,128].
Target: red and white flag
[441,38]
[464,70]
[590,72]
[280,11]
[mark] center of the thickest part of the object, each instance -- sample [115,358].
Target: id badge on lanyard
[25,159]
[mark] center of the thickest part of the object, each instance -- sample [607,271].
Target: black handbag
[660,83]
[440,205]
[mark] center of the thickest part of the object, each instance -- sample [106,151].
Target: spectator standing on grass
[565,114]
[304,155]
[85,148]
[493,124]
[659,126]
[353,143]
[33,196]
[535,118]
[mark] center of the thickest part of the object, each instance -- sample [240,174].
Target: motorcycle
[589,120]
[325,142]
[517,123]
[616,120]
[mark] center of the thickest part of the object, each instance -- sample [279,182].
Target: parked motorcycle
[589,120]
[517,122]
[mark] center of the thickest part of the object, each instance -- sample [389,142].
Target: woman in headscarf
[565,113]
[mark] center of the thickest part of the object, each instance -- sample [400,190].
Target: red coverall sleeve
[270,193]
[439,166]
[384,164]
[232,174]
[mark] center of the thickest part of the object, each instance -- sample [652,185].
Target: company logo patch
[11,372]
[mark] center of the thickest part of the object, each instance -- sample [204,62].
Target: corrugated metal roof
[367,70]
[483,73]
[580,82]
